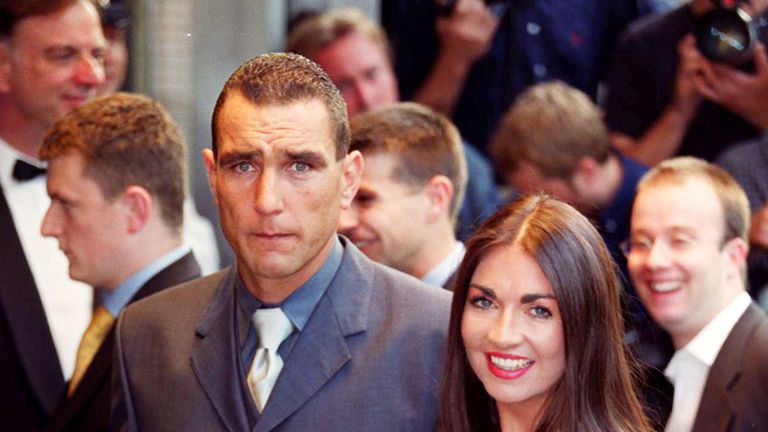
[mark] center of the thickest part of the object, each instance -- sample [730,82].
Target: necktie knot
[272,326]
[23,170]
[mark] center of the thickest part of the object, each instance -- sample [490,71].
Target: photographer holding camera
[682,84]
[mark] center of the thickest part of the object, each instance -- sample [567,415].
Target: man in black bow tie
[50,63]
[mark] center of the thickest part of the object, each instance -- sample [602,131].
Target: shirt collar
[440,273]
[300,304]
[707,343]
[115,300]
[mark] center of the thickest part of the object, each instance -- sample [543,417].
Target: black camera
[726,34]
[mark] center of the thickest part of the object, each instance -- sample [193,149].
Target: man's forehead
[73,24]
[681,201]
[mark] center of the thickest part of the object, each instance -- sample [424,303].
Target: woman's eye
[481,302]
[540,312]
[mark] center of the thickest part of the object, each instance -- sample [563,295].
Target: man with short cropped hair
[304,332]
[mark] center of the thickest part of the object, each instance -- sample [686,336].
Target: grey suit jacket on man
[370,357]
[735,397]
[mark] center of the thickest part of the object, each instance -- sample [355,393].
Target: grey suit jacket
[735,397]
[370,357]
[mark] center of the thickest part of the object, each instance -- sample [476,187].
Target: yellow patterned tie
[97,330]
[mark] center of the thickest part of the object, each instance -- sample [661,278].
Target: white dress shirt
[67,303]
[689,367]
[440,273]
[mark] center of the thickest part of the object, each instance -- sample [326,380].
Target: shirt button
[533,28]
[540,70]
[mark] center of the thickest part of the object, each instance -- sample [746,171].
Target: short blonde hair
[551,126]
[733,199]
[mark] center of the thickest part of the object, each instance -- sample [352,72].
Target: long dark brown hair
[596,392]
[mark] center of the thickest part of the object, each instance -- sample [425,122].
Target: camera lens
[726,36]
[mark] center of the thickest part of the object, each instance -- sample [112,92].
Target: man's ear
[439,192]
[5,65]
[353,166]
[211,169]
[587,172]
[737,250]
[138,203]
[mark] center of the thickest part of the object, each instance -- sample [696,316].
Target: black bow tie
[23,171]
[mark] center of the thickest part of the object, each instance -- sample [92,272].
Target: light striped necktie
[273,327]
[93,337]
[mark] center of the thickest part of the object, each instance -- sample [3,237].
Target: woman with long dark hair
[535,337]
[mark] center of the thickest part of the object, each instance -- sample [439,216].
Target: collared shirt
[689,367]
[115,300]
[298,307]
[440,274]
[67,303]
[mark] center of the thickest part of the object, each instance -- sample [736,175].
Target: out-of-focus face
[279,187]
[677,259]
[115,60]
[528,179]
[387,218]
[361,70]
[89,227]
[53,63]
[512,330]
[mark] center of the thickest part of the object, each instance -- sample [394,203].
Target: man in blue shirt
[116,179]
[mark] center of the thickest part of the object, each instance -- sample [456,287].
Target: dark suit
[31,380]
[369,358]
[735,397]
[87,409]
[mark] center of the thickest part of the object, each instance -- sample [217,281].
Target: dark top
[536,41]
[641,83]
[481,197]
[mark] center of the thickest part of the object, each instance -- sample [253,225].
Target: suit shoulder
[185,298]
[414,302]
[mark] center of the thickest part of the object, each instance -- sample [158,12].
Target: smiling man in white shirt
[686,257]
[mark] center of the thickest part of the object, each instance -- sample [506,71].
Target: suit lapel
[321,350]
[717,411]
[96,378]
[214,356]
[26,317]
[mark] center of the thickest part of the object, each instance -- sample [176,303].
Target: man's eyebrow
[530,298]
[309,156]
[485,290]
[232,157]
